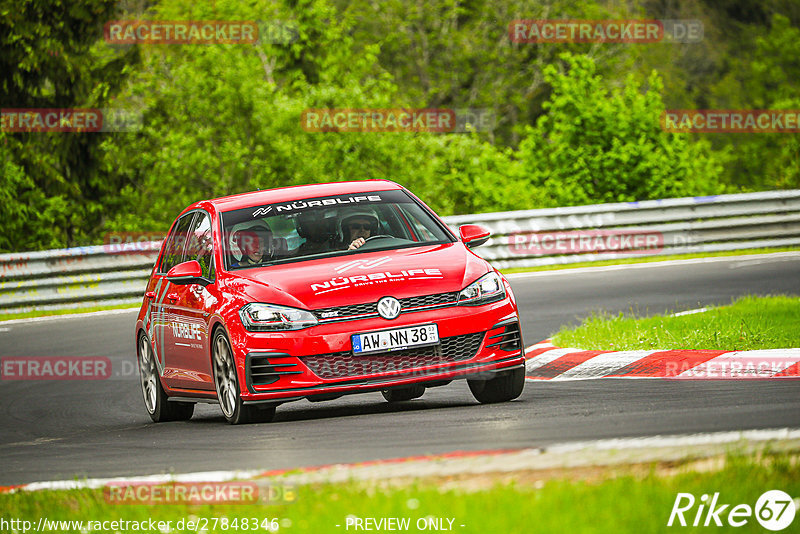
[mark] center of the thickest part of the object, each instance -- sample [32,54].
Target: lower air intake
[509,339]
[261,372]
[344,364]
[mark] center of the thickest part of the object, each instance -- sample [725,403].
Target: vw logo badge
[389,308]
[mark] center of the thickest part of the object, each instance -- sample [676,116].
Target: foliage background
[576,123]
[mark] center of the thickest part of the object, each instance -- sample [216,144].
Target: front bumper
[318,362]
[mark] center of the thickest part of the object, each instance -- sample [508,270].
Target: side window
[420,228]
[175,243]
[200,245]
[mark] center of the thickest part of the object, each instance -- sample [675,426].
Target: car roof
[296,192]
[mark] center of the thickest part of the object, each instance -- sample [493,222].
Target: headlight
[486,289]
[258,317]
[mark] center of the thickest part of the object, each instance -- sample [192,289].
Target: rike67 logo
[774,510]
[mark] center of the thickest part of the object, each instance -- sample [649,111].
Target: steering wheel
[370,238]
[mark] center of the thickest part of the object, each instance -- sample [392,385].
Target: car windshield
[327,226]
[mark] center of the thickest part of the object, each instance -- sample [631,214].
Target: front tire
[226,383]
[506,386]
[156,401]
[403,394]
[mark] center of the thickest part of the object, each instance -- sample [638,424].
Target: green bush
[607,145]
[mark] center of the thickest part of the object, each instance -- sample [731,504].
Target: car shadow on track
[305,411]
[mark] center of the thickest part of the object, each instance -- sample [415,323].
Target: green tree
[50,57]
[601,145]
[765,77]
[26,210]
[457,53]
[225,119]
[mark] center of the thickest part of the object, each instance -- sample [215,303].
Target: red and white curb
[545,361]
[569,454]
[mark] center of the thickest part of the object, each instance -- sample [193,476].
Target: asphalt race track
[52,430]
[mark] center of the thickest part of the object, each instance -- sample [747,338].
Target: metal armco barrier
[75,277]
[113,274]
[543,237]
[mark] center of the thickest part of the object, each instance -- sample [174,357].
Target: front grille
[510,339]
[429,300]
[344,364]
[261,372]
[341,313]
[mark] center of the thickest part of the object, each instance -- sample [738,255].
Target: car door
[188,305]
[158,321]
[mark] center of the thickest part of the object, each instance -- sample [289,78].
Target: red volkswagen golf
[318,291]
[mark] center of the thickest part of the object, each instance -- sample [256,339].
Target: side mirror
[474,235]
[188,272]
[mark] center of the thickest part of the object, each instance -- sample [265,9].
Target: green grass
[614,499]
[747,324]
[650,259]
[49,313]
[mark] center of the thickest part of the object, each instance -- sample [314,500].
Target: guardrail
[75,277]
[117,274]
[675,226]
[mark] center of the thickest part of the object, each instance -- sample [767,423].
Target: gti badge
[389,308]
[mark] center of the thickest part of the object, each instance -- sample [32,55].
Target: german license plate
[397,339]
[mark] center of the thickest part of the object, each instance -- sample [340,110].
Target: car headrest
[280,247]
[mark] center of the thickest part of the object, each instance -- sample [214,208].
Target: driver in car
[357,228]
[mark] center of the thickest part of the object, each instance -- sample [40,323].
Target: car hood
[364,277]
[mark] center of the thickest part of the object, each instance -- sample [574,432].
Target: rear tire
[506,386]
[226,382]
[403,394]
[156,401]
